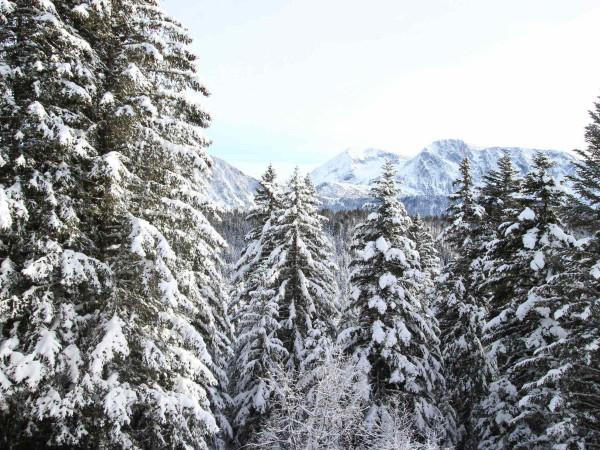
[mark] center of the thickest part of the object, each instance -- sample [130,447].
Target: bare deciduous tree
[331,411]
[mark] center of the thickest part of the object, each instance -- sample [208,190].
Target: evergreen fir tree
[52,274]
[287,319]
[465,212]
[122,302]
[462,309]
[257,350]
[586,183]
[430,262]
[521,261]
[300,273]
[395,338]
[266,201]
[326,291]
[159,242]
[571,378]
[499,193]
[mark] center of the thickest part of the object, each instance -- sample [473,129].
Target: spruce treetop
[266,199]
[500,190]
[541,191]
[464,213]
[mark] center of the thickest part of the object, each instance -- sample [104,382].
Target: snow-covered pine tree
[51,277]
[572,296]
[311,194]
[523,259]
[586,183]
[300,273]
[288,317]
[430,262]
[465,213]
[461,310]
[322,331]
[258,354]
[157,353]
[394,339]
[499,193]
[257,348]
[266,200]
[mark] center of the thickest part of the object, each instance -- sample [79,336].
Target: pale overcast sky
[298,81]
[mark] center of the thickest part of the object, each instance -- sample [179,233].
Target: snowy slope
[425,179]
[354,167]
[229,187]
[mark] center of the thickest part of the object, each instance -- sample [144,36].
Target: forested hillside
[463,323]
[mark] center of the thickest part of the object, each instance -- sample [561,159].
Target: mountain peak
[453,149]
[444,143]
[356,153]
[354,166]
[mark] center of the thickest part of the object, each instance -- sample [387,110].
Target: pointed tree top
[385,186]
[541,161]
[295,178]
[592,131]
[270,174]
[466,178]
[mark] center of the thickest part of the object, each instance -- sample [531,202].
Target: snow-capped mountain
[354,167]
[229,187]
[425,179]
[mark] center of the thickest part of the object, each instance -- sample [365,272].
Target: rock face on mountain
[425,179]
[229,187]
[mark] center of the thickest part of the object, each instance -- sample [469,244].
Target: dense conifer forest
[134,314]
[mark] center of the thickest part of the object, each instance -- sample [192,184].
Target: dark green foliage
[587,180]
[499,193]
[461,308]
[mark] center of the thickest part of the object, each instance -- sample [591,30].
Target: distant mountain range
[425,179]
